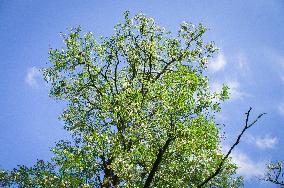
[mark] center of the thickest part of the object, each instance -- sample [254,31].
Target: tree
[140,112]
[275,174]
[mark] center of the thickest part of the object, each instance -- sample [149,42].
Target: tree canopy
[140,111]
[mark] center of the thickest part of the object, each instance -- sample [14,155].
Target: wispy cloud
[32,76]
[218,63]
[242,64]
[235,90]
[265,142]
[247,167]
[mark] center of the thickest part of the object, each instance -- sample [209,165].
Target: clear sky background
[251,62]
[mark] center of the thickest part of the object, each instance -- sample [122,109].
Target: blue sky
[251,62]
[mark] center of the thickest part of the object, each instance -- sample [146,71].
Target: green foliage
[136,99]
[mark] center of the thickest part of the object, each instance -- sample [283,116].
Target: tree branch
[275,174]
[164,69]
[115,71]
[158,159]
[157,163]
[220,166]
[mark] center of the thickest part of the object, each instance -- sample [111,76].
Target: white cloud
[235,91]
[242,62]
[218,63]
[31,77]
[265,142]
[248,167]
[216,86]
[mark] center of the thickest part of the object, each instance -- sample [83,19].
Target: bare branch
[220,166]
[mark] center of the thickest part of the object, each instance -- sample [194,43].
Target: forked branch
[221,164]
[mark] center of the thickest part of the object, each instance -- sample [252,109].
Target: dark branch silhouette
[159,158]
[221,164]
[157,163]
